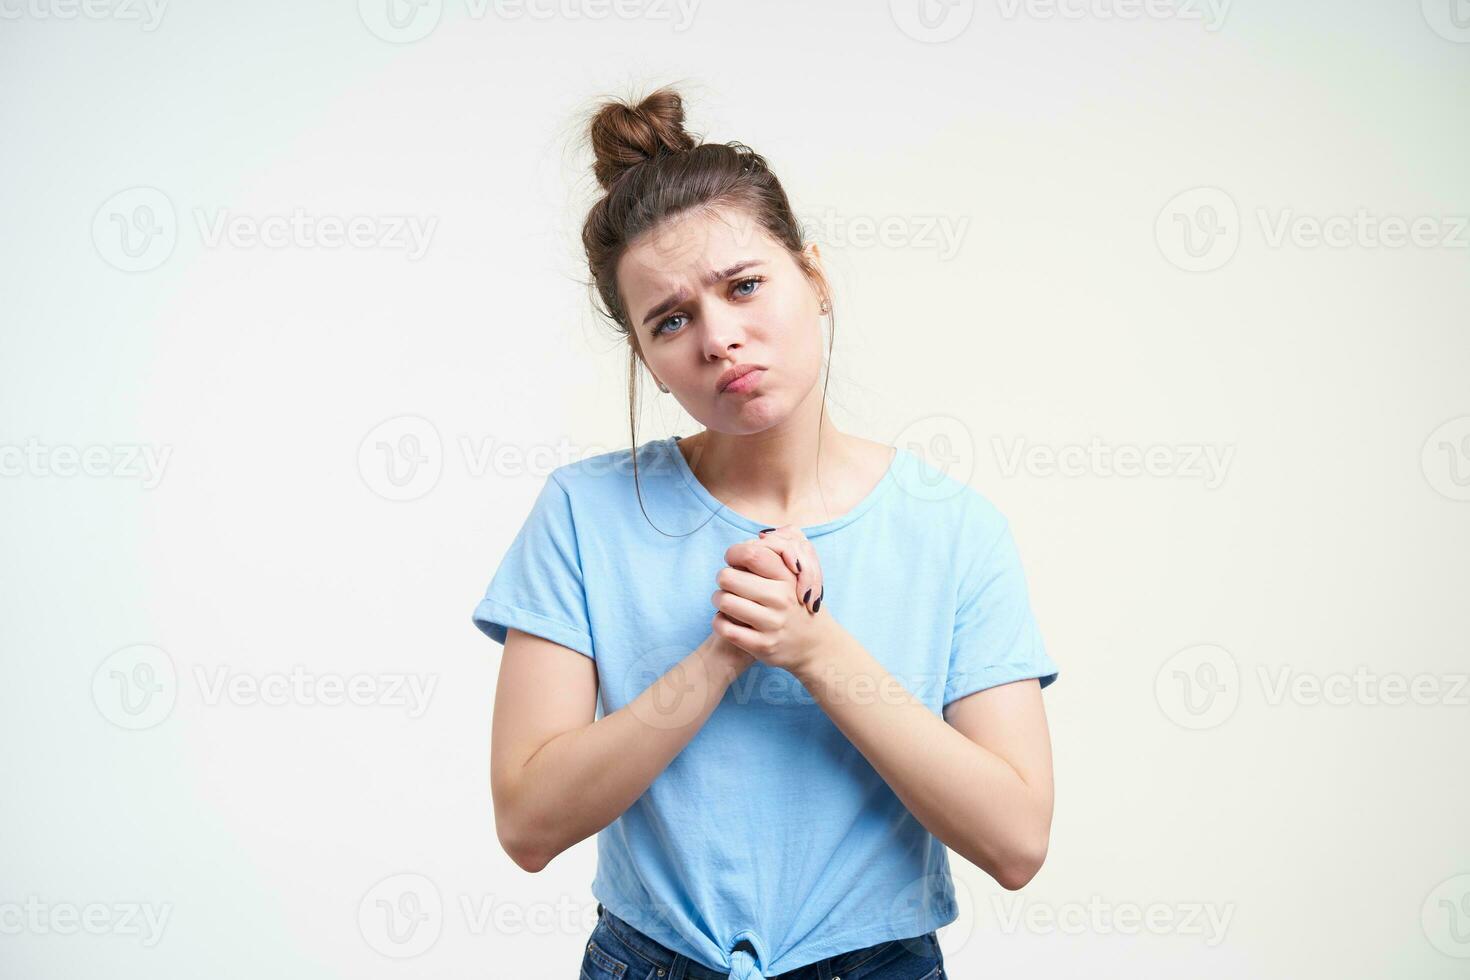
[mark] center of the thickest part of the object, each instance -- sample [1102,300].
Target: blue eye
[661,329]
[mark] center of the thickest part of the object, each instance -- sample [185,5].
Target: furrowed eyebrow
[709,280]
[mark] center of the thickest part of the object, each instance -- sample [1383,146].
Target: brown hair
[653,170]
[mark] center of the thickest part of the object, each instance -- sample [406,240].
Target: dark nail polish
[818,604]
[798,565]
[765,529]
[806,598]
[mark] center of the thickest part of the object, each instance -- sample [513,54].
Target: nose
[723,332]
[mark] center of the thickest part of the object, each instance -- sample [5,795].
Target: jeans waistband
[656,953]
[659,955]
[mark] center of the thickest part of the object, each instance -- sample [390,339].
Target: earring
[826,307]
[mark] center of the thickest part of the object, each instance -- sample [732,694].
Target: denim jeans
[617,951]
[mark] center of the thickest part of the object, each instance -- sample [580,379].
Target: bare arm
[556,775]
[979,779]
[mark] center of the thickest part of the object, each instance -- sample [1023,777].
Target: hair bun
[625,135]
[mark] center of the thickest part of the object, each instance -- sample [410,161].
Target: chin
[754,415]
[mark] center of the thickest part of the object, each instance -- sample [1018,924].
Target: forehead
[679,252]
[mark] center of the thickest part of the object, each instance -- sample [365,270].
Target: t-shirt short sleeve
[996,639]
[538,587]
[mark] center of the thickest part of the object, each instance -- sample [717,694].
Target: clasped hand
[770,598]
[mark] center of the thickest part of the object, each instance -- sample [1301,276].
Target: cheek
[795,329]
[807,336]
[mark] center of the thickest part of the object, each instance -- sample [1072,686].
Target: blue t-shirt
[769,826]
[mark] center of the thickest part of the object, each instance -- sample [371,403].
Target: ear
[811,257]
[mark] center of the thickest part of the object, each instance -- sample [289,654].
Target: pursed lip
[736,372]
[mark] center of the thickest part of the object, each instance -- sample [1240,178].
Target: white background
[1071,313]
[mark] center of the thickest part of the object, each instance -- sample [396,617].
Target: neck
[773,471]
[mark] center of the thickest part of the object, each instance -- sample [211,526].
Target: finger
[783,542]
[742,636]
[755,556]
[793,545]
[746,612]
[788,549]
[791,550]
[748,585]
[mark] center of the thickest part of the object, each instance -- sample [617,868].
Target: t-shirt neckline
[745,523]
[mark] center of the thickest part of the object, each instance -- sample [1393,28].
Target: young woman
[776,668]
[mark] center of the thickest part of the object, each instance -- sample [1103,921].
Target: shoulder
[941,490]
[611,473]
[951,519]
